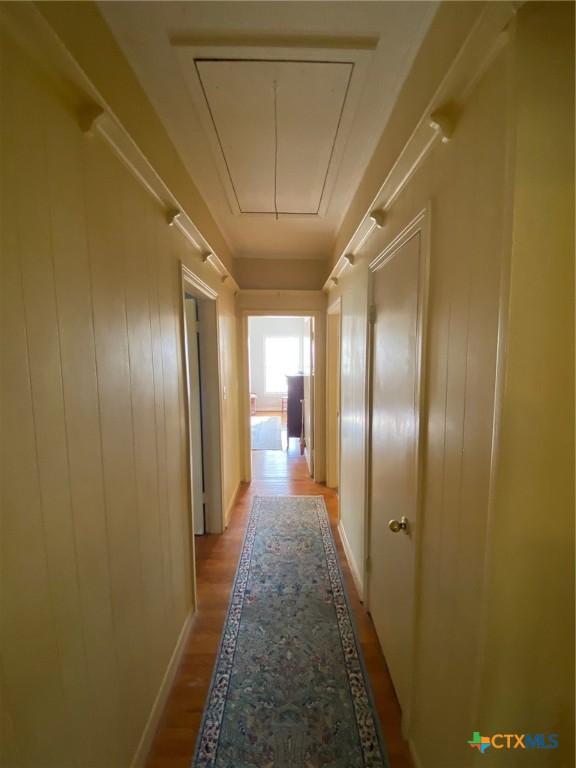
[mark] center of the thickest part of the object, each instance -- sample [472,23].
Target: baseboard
[143,749]
[414,755]
[231,504]
[356,573]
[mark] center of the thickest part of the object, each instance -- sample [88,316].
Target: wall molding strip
[95,121]
[27,25]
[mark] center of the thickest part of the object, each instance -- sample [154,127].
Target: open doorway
[196,427]
[280,358]
[333,342]
[201,363]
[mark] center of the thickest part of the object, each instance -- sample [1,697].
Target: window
[281,358]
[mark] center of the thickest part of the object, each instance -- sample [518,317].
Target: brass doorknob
[398,525]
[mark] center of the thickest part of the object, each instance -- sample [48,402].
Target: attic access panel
[276,124]
[318,87]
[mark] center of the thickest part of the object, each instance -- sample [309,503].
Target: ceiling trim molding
[438,122]
[303,42]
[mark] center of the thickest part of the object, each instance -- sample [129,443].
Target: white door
[195,408]
[396,364]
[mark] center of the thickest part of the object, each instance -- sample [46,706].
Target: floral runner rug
[289,688]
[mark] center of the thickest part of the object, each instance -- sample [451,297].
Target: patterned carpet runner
[289,687]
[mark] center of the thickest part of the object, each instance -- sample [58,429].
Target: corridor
[287,299]
[274,473]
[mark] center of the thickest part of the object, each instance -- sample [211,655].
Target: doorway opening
[196,395]
[200,335]
[281,386]
[333,345]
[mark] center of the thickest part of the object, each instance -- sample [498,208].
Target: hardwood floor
[274,472]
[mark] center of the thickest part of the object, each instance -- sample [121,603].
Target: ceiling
[274,107]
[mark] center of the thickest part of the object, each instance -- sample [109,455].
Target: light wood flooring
[274,472]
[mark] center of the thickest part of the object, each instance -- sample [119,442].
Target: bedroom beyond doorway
[280,375]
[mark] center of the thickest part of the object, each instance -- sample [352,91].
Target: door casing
[333,355]
[211,413]
[308,402]
[319,381]
[420,224]
[195,402]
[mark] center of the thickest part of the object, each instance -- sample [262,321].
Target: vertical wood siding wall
[95,529]
[464,182]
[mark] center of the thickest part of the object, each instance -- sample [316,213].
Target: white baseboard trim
[356,573]
[231,505]
[143,749]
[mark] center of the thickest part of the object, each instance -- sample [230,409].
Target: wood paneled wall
[230,415]
[464,183]
[96,567]
[528,667]
[353,373]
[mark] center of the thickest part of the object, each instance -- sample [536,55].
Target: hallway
[274,473]
[358,216]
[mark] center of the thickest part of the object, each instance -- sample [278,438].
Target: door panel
[194,395]
[394,451]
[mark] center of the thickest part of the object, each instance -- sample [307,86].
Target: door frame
[245,380]
[420,224]
[207,299]
[334,318]
[195,398]
[309,403]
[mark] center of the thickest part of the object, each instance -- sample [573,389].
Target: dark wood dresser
[294,408]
